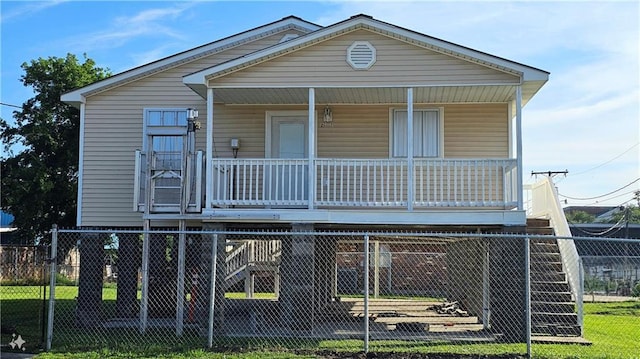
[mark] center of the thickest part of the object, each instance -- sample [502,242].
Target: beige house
[319,117]
[361,124]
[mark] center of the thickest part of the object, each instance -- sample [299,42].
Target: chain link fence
[23,280]
[295,289]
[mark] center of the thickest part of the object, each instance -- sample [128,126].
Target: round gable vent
[361,55]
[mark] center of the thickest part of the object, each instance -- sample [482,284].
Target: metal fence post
[212,294]
[580,296]
[527,292]
[52,284]
[180,282]
[366,293]
[144,300]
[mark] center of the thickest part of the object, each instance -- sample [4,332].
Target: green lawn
[613,328]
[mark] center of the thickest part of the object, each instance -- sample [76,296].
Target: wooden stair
[552,307]
[247,258]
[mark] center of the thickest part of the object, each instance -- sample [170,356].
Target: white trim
[439,109]
[209,151]
[287,37]
[361,85]
[519,183]
[311,155]
[160,130]
[526,73]
[510,128]
[80,166]
[410,188]
[189,55]
[418,217]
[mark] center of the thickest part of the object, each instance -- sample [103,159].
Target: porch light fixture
[327,117]
[235,146]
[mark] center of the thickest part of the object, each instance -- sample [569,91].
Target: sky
[585,120]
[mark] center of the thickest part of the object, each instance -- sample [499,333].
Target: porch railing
[365,183]
[172,183]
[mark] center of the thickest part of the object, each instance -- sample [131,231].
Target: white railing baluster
[363,182]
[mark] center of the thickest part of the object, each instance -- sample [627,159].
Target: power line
[10,105]
[614,197]
[604,195]
[609,161]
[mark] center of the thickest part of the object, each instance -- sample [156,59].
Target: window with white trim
[427,130]
[166,129]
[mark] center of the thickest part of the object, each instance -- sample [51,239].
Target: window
[165,131]
[427,130]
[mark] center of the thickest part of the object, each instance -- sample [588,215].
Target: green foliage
[63,280]
[633,213]
[636,290]
[39,183]
[580,217]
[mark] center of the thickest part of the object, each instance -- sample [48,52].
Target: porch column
[209,151]
[410,190]
[519,181]
[312,147]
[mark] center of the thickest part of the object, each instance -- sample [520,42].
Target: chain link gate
[292,290]
[23,293]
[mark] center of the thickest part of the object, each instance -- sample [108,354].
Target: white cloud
[28,9]
[147,23]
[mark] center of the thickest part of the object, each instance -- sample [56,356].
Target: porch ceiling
[370,95]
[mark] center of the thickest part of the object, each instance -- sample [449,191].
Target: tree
[630,213]
[39,182]
[580,217]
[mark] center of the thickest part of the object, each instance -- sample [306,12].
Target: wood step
[538,222]
[546,267]
[559,287]
[556,330]
[548,276]
[552,307]
[551,296]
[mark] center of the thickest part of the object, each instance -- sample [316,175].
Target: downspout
[80,165]
[519,182]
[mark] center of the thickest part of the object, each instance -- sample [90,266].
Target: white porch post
[312,147]
[410,189]
[209,151]
[519,182]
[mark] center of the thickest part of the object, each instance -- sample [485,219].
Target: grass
[613,328]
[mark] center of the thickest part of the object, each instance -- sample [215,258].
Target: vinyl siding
[114,118]
[113,131]
[398,63]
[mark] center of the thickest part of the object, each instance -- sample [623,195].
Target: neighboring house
[304,127]
[6,228]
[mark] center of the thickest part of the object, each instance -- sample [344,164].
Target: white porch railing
[365,183]
[172,183]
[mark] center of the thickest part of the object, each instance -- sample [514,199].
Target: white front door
[288,180]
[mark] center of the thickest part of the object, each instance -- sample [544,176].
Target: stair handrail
[252,252]
[544,203]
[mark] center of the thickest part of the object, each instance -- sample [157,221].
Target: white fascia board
[75,97]
[526,72]
[387,217]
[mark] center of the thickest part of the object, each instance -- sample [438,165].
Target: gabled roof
[198,80]
[77,96]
